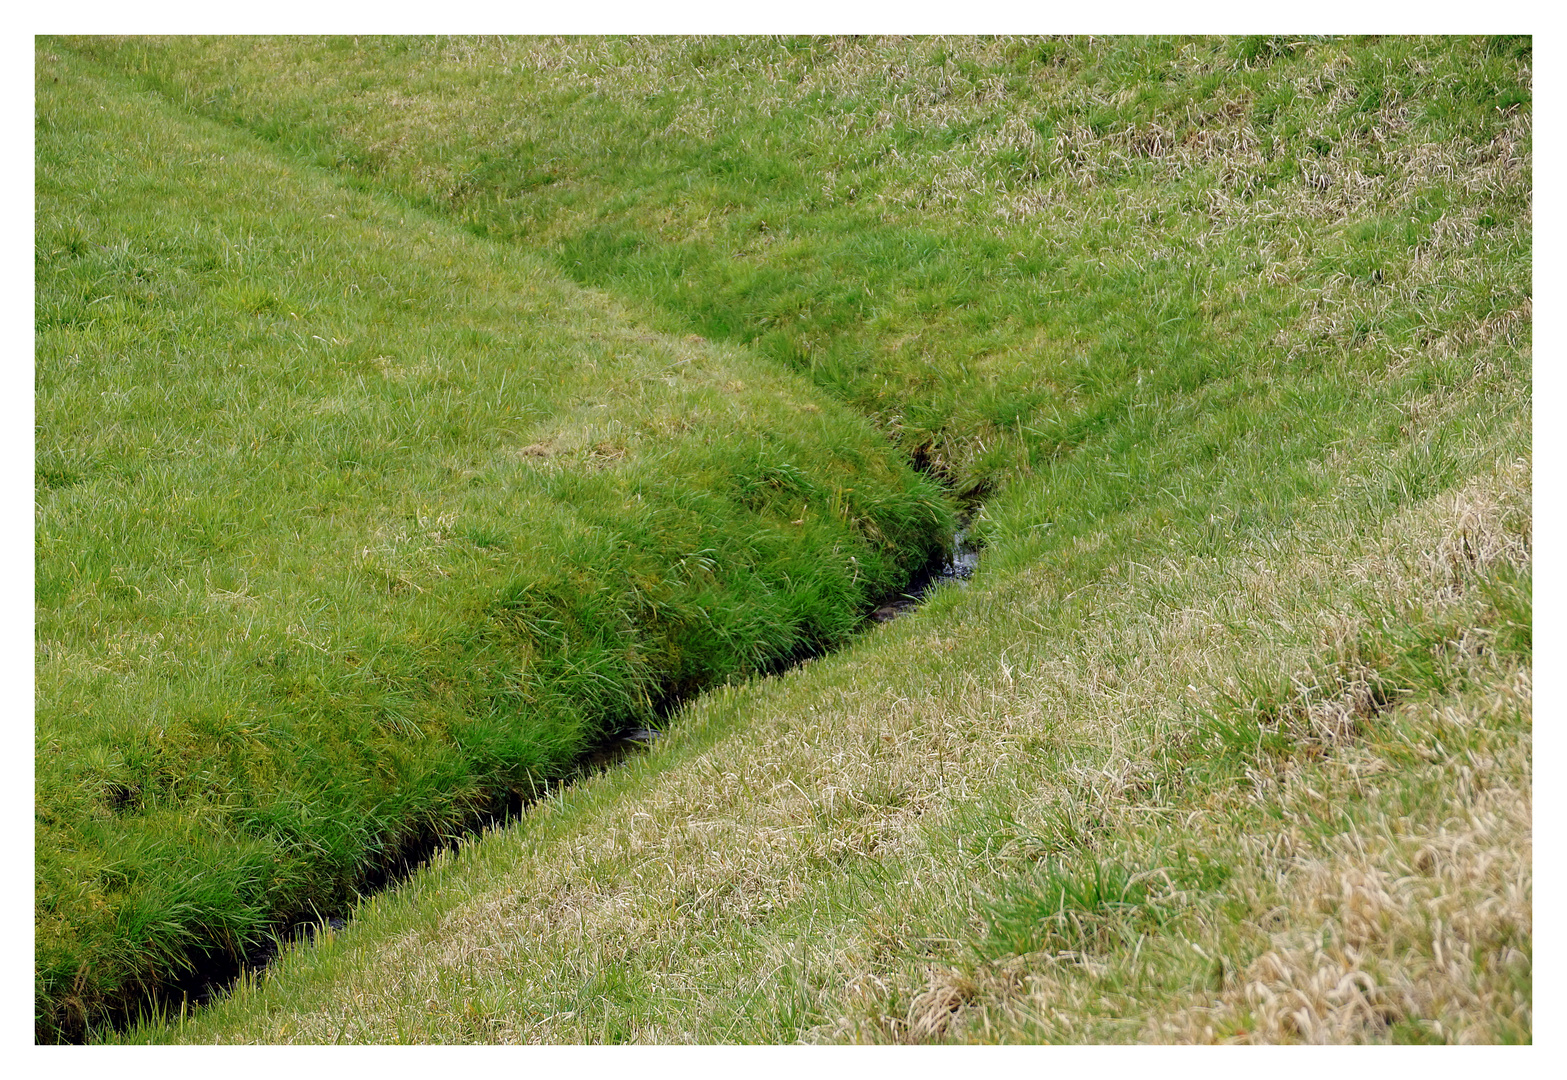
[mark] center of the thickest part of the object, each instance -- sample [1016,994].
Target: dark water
[958,567]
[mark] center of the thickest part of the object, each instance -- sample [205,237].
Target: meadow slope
[992,247]
[1229,738]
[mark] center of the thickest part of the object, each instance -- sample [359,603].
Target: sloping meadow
[1228,739]
[353,529]
[1275,793]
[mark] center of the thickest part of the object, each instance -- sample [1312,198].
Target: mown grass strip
[351,528]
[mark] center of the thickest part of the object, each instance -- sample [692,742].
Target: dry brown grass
[1425,920]
[1417,919]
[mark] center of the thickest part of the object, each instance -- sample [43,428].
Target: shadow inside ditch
[210,974]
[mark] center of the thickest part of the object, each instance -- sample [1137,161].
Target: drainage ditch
[209,975]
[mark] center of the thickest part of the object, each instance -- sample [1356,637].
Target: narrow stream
[959,566]
[210,976]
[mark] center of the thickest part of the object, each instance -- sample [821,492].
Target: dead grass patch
[1417,931]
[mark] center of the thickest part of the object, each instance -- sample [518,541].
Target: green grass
[1230,737]
[991,247]
[1073,909]
[913,840]
[351,528]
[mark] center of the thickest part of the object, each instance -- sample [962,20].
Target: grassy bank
[351,528]
[1230,737]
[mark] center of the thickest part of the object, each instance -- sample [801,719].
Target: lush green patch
[1073,909]
[351,528]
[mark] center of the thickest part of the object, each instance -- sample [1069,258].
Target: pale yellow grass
[1426,920]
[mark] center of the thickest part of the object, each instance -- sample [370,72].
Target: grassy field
[1229,739]
[993,248]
